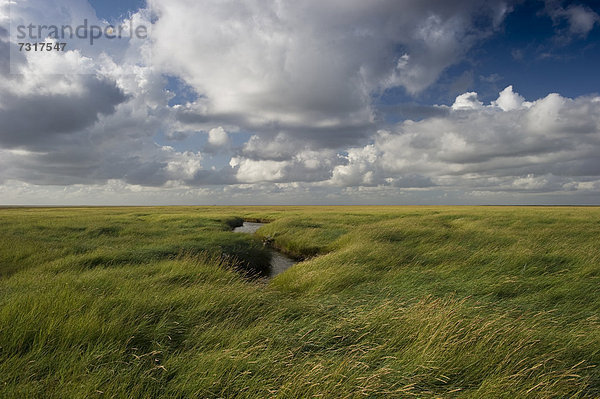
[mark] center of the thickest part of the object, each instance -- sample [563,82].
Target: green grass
[428,302]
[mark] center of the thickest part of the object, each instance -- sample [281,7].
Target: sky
[324,102]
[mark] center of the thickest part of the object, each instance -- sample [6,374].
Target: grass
[428,302]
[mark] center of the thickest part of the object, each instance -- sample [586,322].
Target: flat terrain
[428,302]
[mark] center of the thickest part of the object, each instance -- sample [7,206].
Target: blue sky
[394,102]
[115,9]
[529,54]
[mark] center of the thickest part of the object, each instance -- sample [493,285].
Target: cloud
[35,107]
[413,111]
[581,19]
[309,70]
[358,170]
[467,101]
[279,148]
[509,100]
[509,144]
[218,141]
[251,171]
[218,137]
[59,128]
[300,80]
[303,166]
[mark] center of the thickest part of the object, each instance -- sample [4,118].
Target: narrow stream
[279,262]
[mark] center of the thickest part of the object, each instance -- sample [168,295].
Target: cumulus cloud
[508,100]
[358,171]
[304,166]
[467,101]
[218,141]
[549,145]
[218,137]
[251,171]
[309,69]
[35,107]
[68,119]
[508,144]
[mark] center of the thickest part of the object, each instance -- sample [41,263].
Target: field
[427,302]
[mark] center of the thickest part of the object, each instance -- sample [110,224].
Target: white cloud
[218,137]
[467,101]
[68,119]
[509,100]
[509,144]
[312,65]
[251,171]
[358,171]
[183,166]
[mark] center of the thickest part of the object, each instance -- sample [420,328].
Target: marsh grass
[392,302]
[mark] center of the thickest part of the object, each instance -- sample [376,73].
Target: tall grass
[391,302]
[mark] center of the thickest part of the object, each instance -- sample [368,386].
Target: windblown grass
[392,302]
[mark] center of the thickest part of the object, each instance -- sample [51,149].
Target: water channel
[279,261]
